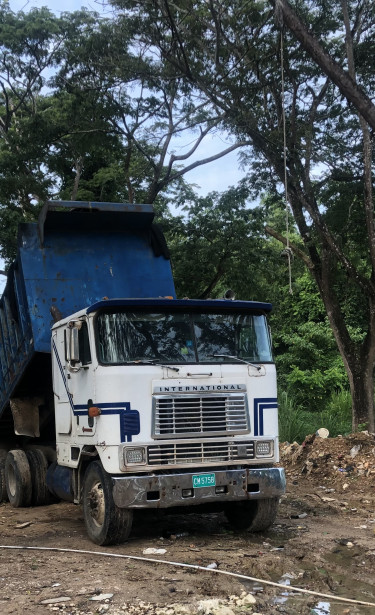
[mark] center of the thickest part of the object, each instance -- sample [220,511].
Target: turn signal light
[94,411]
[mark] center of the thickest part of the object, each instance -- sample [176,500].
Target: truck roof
[182,304]
[196,305]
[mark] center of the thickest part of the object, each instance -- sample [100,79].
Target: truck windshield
[173,337]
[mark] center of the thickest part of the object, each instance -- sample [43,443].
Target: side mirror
[73,343]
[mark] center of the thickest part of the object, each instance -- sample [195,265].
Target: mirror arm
[73,368]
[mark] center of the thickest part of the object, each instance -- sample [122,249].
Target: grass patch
[295,423]
[337,415]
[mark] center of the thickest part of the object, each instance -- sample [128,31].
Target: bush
[309,366]
[293,420]
[295,423]
[337,414]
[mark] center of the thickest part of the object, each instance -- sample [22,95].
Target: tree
[145,104]
[217,245]
[232,54]
[309,367]
[87,114]
[37,125]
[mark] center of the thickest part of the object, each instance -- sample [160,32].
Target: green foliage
[309,364]
[230,53]
[29,130]
[216,245]
[336,415]
[295,423]
[87,113]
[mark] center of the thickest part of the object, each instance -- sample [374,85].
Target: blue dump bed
[77,254]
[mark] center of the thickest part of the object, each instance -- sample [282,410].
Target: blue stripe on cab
[261,404]
[129,419]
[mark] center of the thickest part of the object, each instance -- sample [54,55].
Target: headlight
[134,456]
[264,448]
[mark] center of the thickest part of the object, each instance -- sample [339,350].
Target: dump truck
[118,396]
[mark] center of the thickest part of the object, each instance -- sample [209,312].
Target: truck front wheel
[18,478]
[106,524]
[252,515]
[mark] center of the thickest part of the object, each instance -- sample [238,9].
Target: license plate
[204,480]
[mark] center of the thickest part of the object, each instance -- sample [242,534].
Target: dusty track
[329,549]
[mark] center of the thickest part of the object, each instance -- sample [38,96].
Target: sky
[218,175]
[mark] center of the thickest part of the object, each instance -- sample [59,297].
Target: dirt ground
[323,541]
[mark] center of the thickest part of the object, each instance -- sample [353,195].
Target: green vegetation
[119,108]
[295,423]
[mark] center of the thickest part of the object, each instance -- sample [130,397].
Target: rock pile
[333,458]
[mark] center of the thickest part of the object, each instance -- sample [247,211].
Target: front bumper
[169,490]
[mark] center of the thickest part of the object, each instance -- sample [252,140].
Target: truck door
[63,403]
[80,378]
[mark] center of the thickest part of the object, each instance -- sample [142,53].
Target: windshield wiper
[231,356]
[153,362]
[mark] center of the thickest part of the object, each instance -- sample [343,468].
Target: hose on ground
[289,588]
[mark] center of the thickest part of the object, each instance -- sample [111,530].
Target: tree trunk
[361,381]
[358,357]
[359,360]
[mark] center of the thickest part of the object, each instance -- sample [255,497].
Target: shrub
[293,420]
[337,414]
[295,423]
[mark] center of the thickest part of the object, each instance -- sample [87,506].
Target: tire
[18,478]
[41,495]
[106,524]
[252,515]
[3,489]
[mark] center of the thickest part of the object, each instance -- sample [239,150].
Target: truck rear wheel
[18,478]
[106,524]
[3,488]
[252,515]
[41,495]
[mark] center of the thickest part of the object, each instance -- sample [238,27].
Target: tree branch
[199,163]
[302,255]
[347,86]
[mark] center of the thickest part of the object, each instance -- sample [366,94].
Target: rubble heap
[350,456]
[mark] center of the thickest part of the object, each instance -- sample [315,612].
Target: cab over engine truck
[118,396]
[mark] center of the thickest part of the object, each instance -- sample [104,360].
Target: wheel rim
[12,485]
[97,504]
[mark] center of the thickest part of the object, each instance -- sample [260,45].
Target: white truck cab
[172,403]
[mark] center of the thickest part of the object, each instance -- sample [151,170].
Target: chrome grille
[199,452]
[190,415]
